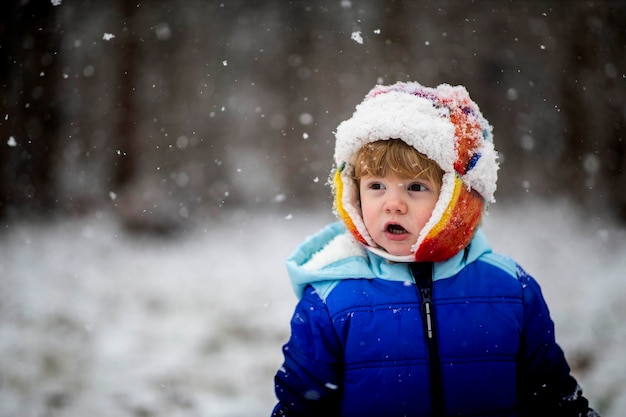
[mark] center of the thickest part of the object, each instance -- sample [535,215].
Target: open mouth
[396,229]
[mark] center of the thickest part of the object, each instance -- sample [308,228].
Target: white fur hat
[442,123]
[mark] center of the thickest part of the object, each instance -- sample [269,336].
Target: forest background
[165,111]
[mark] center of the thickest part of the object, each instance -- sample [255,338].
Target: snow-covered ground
[97,322]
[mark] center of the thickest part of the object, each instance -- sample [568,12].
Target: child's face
[396,209]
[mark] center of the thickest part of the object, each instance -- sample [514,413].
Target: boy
[403,308]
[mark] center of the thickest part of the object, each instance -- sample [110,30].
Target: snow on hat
[442,123]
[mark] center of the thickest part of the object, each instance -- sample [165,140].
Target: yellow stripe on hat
[447,214]
[340,209]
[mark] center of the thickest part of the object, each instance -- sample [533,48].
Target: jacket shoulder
[487,278]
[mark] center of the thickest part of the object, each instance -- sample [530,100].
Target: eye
[376,186]
[416,186]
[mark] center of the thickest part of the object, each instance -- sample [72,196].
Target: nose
[395,203]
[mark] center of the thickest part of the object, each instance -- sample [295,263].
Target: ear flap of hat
[346,205]
[452,226]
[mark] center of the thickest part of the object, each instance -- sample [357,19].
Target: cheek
[426,212]
[423,218]
[367,212]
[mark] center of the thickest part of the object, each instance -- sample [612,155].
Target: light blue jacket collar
[332,254]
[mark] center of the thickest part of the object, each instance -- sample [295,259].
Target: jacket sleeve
[309,382]
[546,386]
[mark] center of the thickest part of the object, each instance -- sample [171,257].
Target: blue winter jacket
[358,344]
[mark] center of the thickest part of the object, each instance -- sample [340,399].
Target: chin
[399,252]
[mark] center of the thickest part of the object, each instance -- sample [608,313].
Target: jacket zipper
[423,277]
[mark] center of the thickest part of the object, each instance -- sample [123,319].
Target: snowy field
[97,322]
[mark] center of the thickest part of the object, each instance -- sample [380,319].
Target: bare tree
[593,99]
[29,74]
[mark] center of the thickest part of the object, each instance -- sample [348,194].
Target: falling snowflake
[356,36]
[305,118]
[108,36]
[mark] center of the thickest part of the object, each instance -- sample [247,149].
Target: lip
[395,236]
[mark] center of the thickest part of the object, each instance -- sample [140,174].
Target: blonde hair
[395,157]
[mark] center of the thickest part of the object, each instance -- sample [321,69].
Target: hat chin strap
[393,258]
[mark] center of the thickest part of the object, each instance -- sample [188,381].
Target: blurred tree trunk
[29,125]
[579,61]
[397,26]
[593,91]
[299,95]
[140,203]
[126,129]
[614,164]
